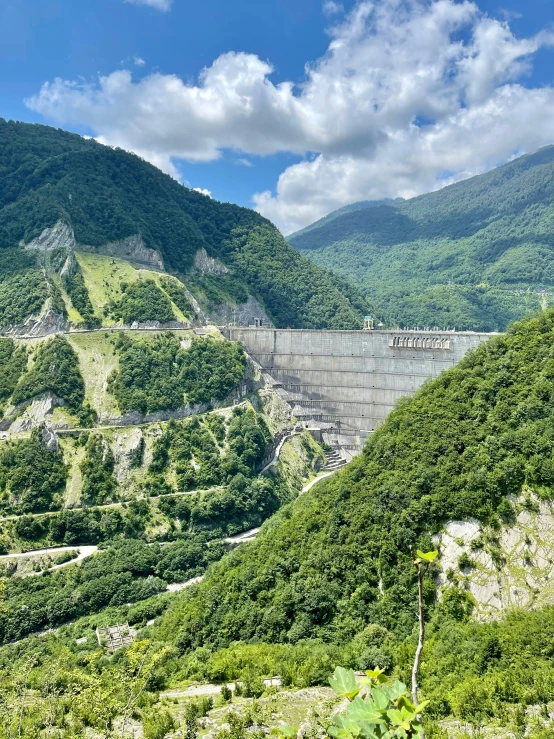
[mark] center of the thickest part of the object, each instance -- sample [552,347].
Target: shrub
[157,724]
[141,301]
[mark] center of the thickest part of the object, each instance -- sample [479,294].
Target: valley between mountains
[179,556]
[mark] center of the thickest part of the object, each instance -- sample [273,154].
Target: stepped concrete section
[347,382]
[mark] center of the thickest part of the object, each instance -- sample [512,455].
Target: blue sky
[262,129]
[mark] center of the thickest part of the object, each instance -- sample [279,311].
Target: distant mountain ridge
[360,205]
[475,255]
[95,198]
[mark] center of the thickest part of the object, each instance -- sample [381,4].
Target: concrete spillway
[346,382]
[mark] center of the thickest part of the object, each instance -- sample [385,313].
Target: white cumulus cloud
[410,95]
[163,5]
[330,7]
[203,191]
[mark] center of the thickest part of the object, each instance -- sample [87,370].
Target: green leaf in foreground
[427,556]
[344,683]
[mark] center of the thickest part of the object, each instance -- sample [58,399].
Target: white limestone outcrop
[206,265]
[132,247]
[511,567]
[37,412]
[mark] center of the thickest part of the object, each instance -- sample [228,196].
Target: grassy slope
[474,255]
[103,276]
[98,359]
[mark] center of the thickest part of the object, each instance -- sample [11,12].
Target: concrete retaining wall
[348,381]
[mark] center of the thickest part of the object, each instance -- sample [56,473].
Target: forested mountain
[474,444]
[474,255]
[105,195]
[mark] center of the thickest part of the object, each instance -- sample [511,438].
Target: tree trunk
[417,658]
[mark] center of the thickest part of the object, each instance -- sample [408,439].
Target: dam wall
[347,382]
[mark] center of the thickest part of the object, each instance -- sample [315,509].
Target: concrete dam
[347,382]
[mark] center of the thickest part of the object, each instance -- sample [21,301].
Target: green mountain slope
[339,558]
[103,195]
[475,255]
[113,435]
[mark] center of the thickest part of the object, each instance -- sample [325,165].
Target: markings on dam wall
[347,382]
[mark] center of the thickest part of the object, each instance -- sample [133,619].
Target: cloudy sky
[294,107]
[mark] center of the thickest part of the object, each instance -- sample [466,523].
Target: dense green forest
[13,361]
[97,470]
[55,370]
[106,194]
[160,375]
[338,558]
[128,571]
[32,477]
[141,301]
[220,451]
[22,295]
[476,255]
[177,295]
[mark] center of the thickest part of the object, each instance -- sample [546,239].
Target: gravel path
[318,479]
[84,552]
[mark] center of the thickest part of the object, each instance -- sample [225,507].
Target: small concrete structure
[115,637]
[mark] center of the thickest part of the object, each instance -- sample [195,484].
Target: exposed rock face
[49,322]
[250,313]
[70,265]
[195,304]
[60,235]
[34,415]
[127,446]
[49,438]
[207,265]
[134,417]
[515,566]
[131,247]
[160,325]
[276,408]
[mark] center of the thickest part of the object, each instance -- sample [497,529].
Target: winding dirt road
[84,552]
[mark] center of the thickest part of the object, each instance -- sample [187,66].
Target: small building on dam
[347,382]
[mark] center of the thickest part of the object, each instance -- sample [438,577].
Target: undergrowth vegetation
[97,470]
[177,294]
[77,290]
[13,362]
[55,370]
[21,296]
[201,458]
